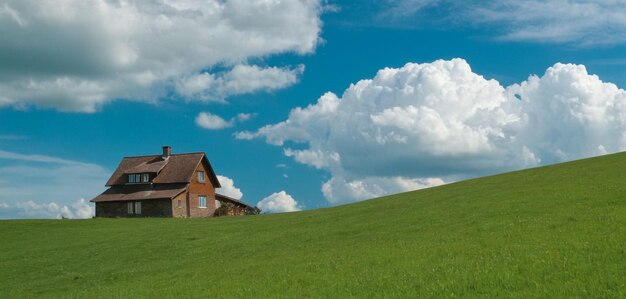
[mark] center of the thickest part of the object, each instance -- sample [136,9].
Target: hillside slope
[557,231]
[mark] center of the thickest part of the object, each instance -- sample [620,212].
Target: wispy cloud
[13,137]
[34,158]
[609,61]
[583,22]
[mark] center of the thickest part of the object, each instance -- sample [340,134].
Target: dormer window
[139,178]
[134,178]
[201,176]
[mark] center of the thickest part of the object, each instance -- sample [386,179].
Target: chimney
[167,151]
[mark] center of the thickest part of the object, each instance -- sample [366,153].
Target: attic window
[134,178]
[201,176]
[139,178]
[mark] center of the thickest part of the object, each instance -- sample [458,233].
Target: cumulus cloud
[279,202]
[30,209]
[228,187]
[424,124]
[77,55]
[210,121]
[45,187]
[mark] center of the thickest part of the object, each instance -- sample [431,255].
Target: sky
[302,104]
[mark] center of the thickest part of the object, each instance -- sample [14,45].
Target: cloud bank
[76,55]
[30,209]
[425,124]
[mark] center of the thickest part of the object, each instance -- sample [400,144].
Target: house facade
[166,185]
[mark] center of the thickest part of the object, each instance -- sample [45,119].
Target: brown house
[167,185]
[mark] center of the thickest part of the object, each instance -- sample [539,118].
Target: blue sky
[535,83]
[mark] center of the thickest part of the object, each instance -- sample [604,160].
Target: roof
[150,166]
[222,197]
[177,168]
[140,192]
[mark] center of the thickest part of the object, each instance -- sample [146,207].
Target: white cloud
[30,209]
[228,187]
[339,190]
[43,181]
[555,21]
[570,114]
[210,121]
[244,135]
[82,209]
[583,22]
[77,55]
[35,158]
[239,80]
[423,124]
[279,202]
[243,117]
[405,8]
[315,158]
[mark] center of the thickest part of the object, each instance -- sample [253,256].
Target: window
[201,176]
[138,207]
[134,207]
[218,204]
[134,178]
[202,201]
[180,204]
[139,178]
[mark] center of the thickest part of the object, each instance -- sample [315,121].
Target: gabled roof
[140,192]
[177,168]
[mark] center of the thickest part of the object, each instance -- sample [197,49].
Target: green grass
[557,231]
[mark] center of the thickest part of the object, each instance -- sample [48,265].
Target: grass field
[557,231]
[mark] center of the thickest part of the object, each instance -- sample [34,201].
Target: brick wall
[182,211]
[197,189]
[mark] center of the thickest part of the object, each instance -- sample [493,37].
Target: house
[166,185]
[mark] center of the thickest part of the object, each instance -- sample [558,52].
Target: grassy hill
[557,231]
